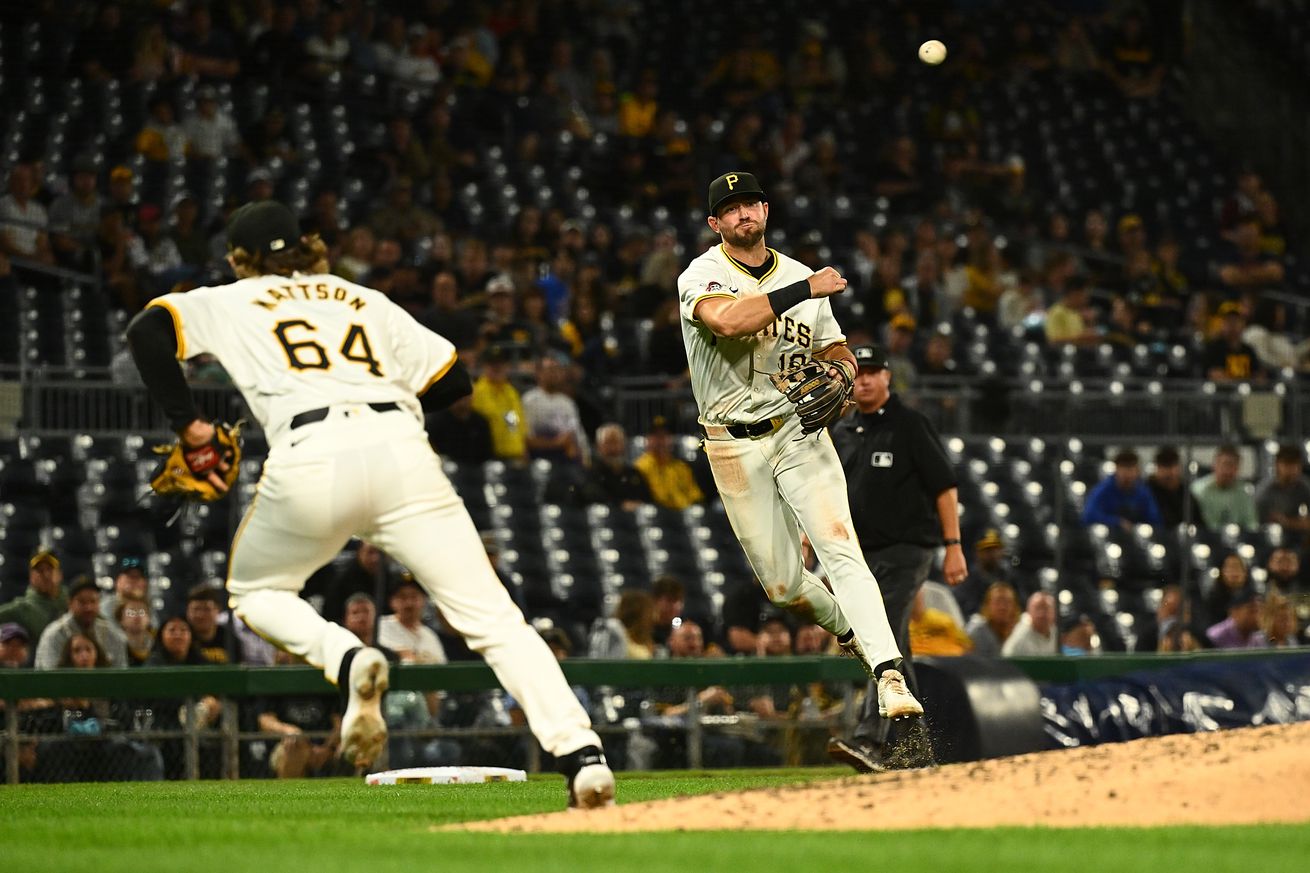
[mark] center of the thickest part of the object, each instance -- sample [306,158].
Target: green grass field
[343,825]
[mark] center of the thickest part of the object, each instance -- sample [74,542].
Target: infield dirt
[1242,776]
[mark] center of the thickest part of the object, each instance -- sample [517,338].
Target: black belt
[300,419]
[743,431]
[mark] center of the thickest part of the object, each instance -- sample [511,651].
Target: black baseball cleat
[864,758]
[591,783]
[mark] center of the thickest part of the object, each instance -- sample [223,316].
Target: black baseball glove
[820,397]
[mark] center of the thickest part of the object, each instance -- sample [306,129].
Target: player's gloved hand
[826,283]
[202,465]
[819,396]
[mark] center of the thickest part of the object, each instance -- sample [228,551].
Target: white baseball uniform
[772,482]
[320,344]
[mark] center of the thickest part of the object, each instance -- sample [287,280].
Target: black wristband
[785,298]
[950,542]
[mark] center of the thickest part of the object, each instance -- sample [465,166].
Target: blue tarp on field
[1186,699]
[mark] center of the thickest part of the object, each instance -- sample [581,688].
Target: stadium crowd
[527,180]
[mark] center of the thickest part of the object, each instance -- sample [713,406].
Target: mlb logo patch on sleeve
[880,459]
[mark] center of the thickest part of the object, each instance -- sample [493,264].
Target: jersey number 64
[306,354]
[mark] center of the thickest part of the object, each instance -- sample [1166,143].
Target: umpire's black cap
[871,357]
[265,226]
[731,185]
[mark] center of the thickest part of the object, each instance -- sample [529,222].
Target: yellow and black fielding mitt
[820,397]
[185,471]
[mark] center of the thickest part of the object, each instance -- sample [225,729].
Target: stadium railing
[55,403]
[221,745]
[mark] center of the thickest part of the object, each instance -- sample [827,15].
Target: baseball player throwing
[334,371]
[752,319]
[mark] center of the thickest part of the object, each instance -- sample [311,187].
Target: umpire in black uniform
[904,503]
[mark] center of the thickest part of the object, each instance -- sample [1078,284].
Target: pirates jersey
[730,376]
[292,344]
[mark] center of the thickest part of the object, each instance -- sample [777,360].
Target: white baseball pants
[771,483]
[373,475]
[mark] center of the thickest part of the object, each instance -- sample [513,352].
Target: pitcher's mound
[1234,777]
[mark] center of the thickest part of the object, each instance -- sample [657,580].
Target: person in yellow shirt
[672,484]
[498,401]
[933,632]
[1065,321]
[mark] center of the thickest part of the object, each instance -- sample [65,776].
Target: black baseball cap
[131,563]
[265,226]
[731,185]
[871,357]
[83,583]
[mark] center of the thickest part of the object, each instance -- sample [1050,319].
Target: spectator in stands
[630,632]
[900,342]
[670,600]
[985,280]
[670,479]
[130,583]
[899,179]
[291,717]
[459,433]
[362,575]
[937,357]
[935,632]
[1078,636]
[175,645]
[1070,320]
[497,401]
[327,50]
[216,641]
[210,132]
[1175,501]
[162,139]
[150,54]
[1180,638]
[153,254]
[1021,305]
[615,481]
[83,617]
[1273,235]
[1234,583]
[103,51]
[1228,357]
[23,220]
[988,567]
[1132,62]
[445,315]
[1278,622]
[550,416]
[1241,629]
[1284,571]
[187,234]
[400,217]
[43,602]
[75,216]
[1036,633]
[361,619]
[404,631]
[1284,498]
[133,618]
[205,51]
[1122,500]
[1222,497]
[995,620]
[1245,267]
[1169,613]
[1242,203]
[15,647]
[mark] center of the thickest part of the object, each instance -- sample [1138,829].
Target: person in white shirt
[554,426]
[211,132]
[404,631]
[1036,633]
[23,221]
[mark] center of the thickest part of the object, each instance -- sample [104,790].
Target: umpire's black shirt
[895,468]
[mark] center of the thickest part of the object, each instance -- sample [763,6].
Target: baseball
[932,52]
